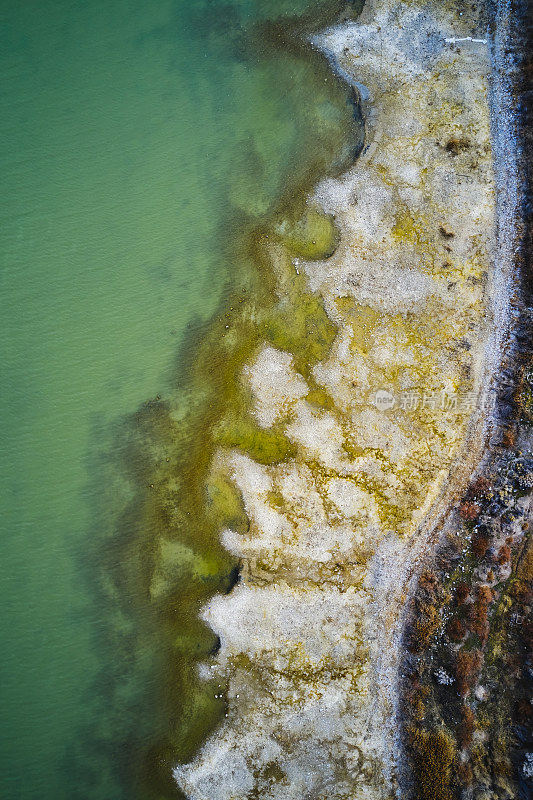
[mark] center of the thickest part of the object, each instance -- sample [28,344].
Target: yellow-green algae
[312,235]
[187,502]
[184,497]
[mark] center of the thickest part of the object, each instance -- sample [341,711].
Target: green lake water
[136,138]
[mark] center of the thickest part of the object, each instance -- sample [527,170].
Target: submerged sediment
[371,391]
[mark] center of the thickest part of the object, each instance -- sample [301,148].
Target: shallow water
[137,137]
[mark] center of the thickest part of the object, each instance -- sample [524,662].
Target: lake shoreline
[284,571]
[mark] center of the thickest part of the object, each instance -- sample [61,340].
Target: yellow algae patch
[410,226]
[264,446]
[224,501]
[311,236]
[363,320]
[320,398]
[301,327]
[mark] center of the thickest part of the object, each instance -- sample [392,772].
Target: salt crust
[275,385]
[310,635]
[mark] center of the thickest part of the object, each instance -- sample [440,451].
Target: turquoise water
[137,138]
